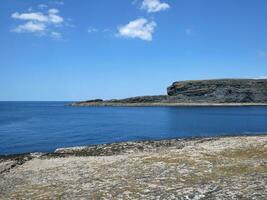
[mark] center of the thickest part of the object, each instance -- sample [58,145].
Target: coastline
[194,168]
[107,149]
[214,92]
[109,104]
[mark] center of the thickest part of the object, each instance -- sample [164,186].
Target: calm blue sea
[45,126]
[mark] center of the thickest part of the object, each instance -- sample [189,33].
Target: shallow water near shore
[45,126]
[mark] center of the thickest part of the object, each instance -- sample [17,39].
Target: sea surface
[45,126]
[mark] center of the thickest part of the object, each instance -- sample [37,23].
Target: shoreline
[118,147]
[107,104]
[197,168]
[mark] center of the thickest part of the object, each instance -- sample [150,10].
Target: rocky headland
[186,169]
[200,92]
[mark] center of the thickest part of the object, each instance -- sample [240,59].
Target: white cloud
[154,6]
[61,3]
[39,22]
[42,6]
[35,16]
[92,30]
[261,77]
[139,28]
[51,17]
[30,26]
[54,17]
[56,35]
[53,11]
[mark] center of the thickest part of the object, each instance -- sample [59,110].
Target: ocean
[44,126]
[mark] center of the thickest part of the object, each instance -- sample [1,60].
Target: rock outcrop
[220,91]
[204,92]
[211,168]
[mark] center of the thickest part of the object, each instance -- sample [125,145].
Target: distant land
[197,92]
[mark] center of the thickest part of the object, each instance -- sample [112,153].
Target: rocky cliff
[220,91]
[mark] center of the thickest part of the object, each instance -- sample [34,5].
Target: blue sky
[77,49]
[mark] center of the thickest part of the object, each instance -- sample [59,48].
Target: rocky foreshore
[226,92]
[204,168]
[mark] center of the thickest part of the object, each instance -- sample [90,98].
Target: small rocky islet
[198,92]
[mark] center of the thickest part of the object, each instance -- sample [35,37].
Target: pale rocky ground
[218,168]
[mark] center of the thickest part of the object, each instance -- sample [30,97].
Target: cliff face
[220,91]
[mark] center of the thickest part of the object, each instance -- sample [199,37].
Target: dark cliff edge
[198,92]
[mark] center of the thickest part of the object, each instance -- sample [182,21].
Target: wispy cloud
[34,16]
[42,6]
[152,6]
[262,53]
[107,30]
[30,26]
[188,31]
[92,30]
[261,77]
[140,28]
[56,35]
[54,17]
[60,3]
[41,22]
